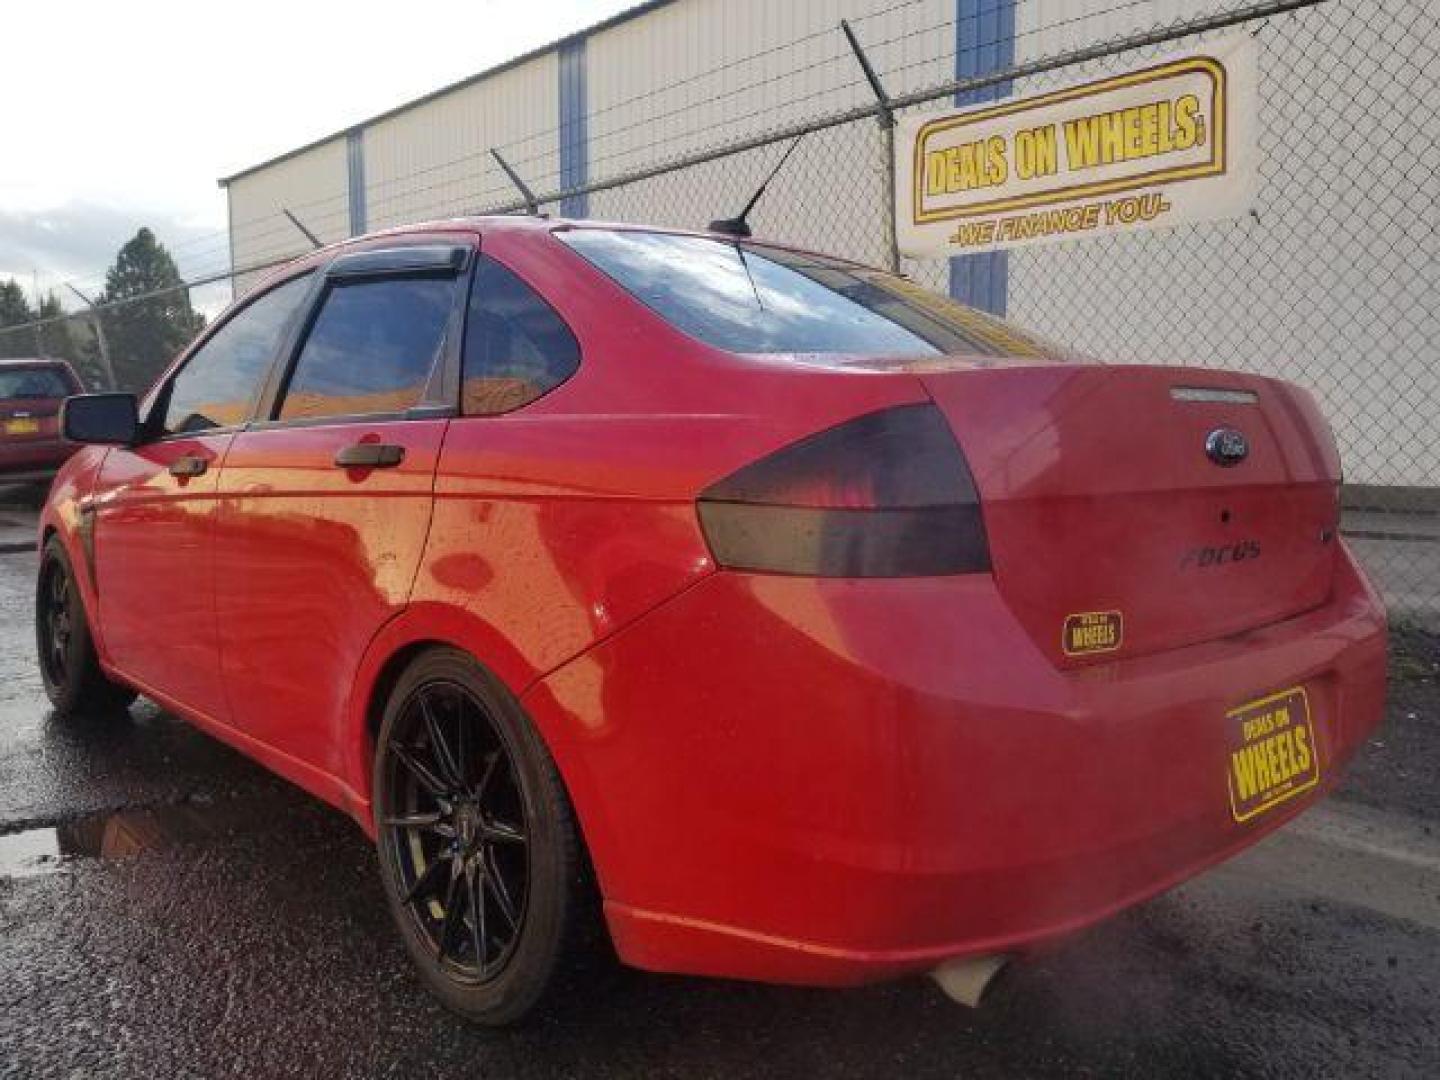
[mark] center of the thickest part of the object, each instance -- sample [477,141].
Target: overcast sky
[123,114]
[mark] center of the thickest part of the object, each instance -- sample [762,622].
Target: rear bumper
[832,782]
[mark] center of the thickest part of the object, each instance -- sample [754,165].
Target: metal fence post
[885,116]
[314,240]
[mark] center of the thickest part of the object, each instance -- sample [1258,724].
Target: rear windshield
[750,298]
[36,382]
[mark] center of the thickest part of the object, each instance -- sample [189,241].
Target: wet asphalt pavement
[234,926]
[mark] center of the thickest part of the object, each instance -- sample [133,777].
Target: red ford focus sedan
[781,618]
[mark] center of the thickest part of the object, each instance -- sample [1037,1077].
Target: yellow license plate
[21,427]
[1273,756]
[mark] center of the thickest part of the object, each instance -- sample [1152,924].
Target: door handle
[188,466]
[370,455]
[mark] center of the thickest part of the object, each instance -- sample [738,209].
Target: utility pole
[99,321]
[35,288]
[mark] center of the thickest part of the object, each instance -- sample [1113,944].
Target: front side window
[371,349]
[220,382]
[516,346]
[751,298]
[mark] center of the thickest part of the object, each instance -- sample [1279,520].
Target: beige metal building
[1326,283]
[663,80]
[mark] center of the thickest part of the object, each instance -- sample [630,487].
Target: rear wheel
[479,852]
[69,666]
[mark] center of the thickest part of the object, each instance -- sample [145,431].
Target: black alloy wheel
[480,856]
[54,611]
[456,827]
[69,666]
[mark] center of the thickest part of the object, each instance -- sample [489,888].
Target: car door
[325,502]
[155,507]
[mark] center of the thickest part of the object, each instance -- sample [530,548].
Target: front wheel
[69,665]
[480,855]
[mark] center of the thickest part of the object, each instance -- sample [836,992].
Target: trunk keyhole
[1224,517]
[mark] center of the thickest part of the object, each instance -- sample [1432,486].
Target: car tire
[69,666]
[438,788]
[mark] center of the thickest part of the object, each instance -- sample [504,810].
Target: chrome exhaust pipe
[965,978]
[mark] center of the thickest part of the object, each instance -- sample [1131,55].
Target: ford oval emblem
[1226,447]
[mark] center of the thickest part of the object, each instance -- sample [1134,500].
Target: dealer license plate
[1273,756]
[21,427]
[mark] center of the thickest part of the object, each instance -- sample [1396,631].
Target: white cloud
[77,240]
[129,112]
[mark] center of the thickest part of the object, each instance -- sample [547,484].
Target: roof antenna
[739,226]
[532,205]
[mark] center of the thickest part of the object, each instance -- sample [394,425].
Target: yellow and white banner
[1168,142]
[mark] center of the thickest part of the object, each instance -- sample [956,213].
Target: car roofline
[482,224]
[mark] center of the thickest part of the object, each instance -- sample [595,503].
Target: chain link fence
[1331,282]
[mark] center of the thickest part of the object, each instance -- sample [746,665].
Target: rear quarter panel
[560,523]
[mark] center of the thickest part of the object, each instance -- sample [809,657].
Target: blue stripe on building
[984,42]
[355,178]
[574,137]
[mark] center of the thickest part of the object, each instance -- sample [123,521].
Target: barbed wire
[1228,16]
[270,227]
[379,197]
[554,129]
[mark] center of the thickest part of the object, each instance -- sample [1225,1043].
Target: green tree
[15,311]
[155,320]
[69,337]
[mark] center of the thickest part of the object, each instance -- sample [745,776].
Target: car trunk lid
[29,418]
[1113,532]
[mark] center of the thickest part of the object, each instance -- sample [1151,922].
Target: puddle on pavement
[25,854]
[115,835]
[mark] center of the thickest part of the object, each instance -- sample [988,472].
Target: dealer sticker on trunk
[1272,752]
[1092,632]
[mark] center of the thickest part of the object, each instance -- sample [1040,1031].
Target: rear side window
[750,298]
[34,382]
[372,348]
[516,346]
[220,382]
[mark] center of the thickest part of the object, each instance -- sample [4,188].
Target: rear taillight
[886,495]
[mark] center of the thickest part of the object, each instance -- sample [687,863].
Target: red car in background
[31,390]
[789,621]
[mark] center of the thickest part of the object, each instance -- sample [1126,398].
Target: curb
[1382,534]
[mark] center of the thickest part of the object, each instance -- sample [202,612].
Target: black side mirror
[111,419]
